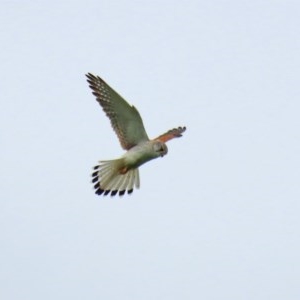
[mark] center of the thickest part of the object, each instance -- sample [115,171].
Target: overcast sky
[218,217]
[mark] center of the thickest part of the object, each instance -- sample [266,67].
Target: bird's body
[140,154]
[121,175]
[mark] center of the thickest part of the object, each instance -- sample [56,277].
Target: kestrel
[121,175]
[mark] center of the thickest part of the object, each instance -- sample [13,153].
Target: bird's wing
[171,134]
[125,119]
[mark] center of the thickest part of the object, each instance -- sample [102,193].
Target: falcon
[121,175]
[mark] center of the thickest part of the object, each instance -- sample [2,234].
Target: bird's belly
[135,157]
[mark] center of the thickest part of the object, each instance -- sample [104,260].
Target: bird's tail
[111,177]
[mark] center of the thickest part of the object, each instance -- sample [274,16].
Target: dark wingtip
[95,174]
[181,130]
[90,76]
[121,193]
[106,192]
[113,193]
[99,191]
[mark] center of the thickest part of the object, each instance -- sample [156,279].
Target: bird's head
[160,148]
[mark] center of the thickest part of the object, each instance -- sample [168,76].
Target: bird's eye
[160,148]
[157,147]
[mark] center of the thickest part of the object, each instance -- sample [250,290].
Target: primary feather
[125,119]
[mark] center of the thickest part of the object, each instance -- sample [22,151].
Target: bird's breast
[138,155]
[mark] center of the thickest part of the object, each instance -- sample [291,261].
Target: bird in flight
[121,175]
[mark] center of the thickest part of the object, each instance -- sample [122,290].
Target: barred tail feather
[109,180]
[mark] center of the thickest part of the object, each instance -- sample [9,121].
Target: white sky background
[218,217]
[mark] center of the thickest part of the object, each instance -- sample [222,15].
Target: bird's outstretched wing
[125,119]
[171,134]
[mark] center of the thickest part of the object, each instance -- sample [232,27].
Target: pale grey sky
[218,217]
